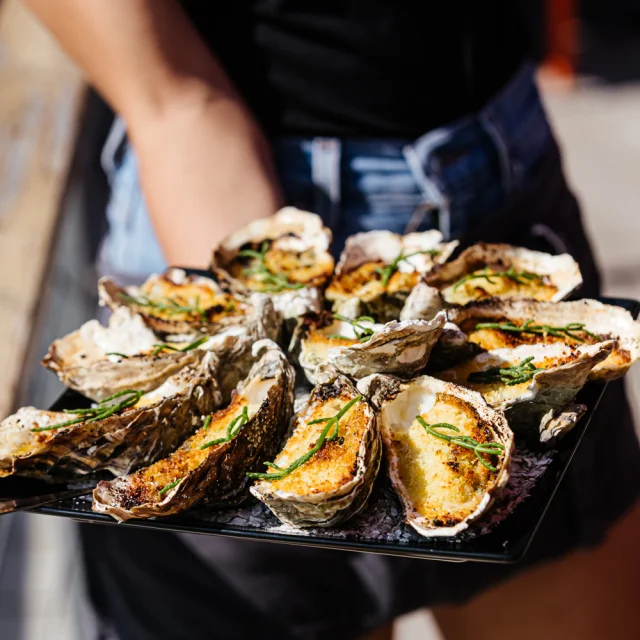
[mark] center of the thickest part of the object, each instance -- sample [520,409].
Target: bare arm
[204,164]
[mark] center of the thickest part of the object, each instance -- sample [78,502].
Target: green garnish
[193,345]
[519,277]
[104,409]
[332,423]
[363,334]
[387,271]
[171,485]
[541,329]
[276,281]
[467,442]
[206,423]
[517,374]
[169,306]
[232,430]
[115,353]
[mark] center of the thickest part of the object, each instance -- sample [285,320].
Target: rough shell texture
[120,443]
[433,478]
[300,506]
[369,251]
[290,232]
[561,271]
[216,474]
[604,320]
[216,308]
[529,406]
[423,303]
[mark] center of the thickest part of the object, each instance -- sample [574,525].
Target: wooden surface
[40,97]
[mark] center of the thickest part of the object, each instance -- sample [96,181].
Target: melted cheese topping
[444,483]
[500,287]
[16,435]
[334,465]
[320,341]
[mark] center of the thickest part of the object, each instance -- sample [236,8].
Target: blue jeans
[451,178]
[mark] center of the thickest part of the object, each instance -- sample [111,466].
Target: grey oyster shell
[399,348]
[216,474]
[606,321]
[439,499]
[356,274]
[561,274]
[530,406]
[302,237]
[120,443]
[345,476]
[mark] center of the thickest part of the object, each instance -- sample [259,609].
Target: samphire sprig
[519,277]
[568,330]
[516,374]
[467,442]
[387,271]
[171,485]
[363,334]
[232,430]
[104,409]
[275,282]
[328,434]
[168,305]
[161,346]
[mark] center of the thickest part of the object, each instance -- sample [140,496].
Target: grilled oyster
[145,428]
[379,268]
[443,485]
[359,347]
[495,324]
[286,256]
[211,465]
[325,472]
[504,271]
[532,384]
[177,303]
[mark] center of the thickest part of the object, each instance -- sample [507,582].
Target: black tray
[507,542]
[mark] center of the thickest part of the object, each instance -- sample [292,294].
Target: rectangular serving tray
[507,542]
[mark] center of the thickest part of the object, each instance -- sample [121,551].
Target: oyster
[286,256]
[359,347]
[443,485]
[145,428]
[532,384]
[177,303]
[325,472]
[504,271]
[211,465]
[379,268]
[495,324]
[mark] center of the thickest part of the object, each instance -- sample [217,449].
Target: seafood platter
[412,399]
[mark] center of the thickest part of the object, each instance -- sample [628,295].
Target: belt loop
[325,175]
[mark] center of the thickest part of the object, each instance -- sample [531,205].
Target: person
[375,115]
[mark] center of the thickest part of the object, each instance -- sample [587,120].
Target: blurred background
[51,132]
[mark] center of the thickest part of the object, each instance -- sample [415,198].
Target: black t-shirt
[363,67]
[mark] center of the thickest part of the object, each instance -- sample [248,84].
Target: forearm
[205,166]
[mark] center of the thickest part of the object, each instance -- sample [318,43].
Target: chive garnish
[516,374]
[567,330]
[104,409]
[276,281]
[193,345]
[388,271]
[115,353]
[169,305]
[363,334]
[232,430]
[467,442]
[519,277]
[332,423]
[171,485]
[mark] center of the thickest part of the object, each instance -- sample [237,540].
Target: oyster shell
[290,260]
[592,322]
[192,474]
[177,303]
[136,436]
[358,273]
[400,348]
[443,487]
[476,274]
[335,483]
[560,372]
